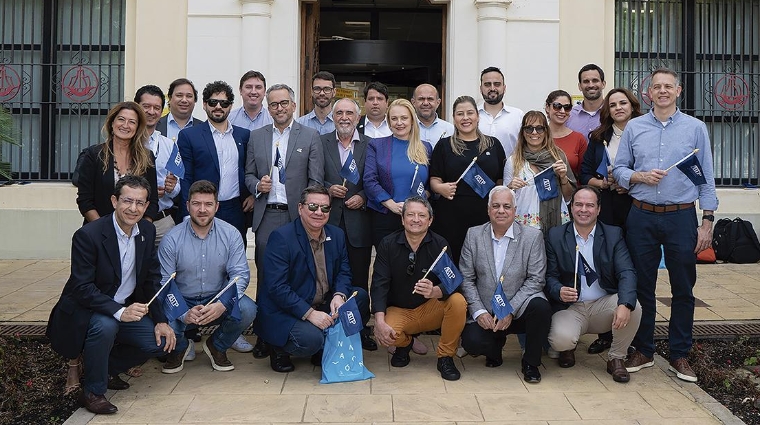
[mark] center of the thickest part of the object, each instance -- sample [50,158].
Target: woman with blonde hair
[534,153]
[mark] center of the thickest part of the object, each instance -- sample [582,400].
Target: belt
[167,212]
[283,207]
[661,208]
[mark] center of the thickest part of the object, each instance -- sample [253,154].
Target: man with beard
[252,115]
[497,119]
[321,118]
[584,117]
[205,254]
[216,152]
[151,100]
[373,124]
[182,98]
[426,102]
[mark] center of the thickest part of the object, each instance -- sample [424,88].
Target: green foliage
[7,136]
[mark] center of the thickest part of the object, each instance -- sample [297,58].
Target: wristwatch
[708,217]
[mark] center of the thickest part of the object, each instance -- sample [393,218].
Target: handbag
[342,358]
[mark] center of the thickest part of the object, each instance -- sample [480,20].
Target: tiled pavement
[254,394]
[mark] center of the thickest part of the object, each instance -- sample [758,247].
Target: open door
[309,51]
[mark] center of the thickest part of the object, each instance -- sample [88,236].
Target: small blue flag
[350,317]
[279,162]
[448,273]
[418,186]
[603,168]
[175,164]
[478,180]
[500,304]
[230,300]
[693,170]
[350,170]
[546,184]
[585,270]
[174,303]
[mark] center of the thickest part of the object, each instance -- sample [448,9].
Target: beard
[220,119]
[493,101]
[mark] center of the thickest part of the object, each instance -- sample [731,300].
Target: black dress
[614,206]
[454,217]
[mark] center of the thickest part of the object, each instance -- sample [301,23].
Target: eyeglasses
[313,207]
[283,104]
[413,261]
[531,128]
[559,106]
[325,90]
[129,202]
[223,103]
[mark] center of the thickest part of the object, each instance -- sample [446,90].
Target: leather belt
[661,208]
[167,212]
[282,207]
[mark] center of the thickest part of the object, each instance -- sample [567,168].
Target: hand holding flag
[499,303]
[575,275]
[229,298]
[279,162]
[174,164]
[446,271]
[349,316]
[350,171]
[603,170]
[546,184]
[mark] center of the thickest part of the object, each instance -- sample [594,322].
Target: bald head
[426,101]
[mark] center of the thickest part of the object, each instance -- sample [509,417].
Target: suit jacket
[163,122]
[524,268]
[358,223]
[378,180]
[360,125]
[95,277]
[290,276]
[611,259]
[94,187]
[304,165]
[198,150]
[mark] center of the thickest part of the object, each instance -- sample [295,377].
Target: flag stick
[443,251]
[344,183]
[216,297]
[575,274]
[414,177]
[466,169]
[501,282]
[161,288]
[682,159]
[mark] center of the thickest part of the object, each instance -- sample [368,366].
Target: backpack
[735,241]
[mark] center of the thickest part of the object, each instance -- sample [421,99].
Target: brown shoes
[638,361]
[682,370]
[175,361]
[219,360]
[97,404]
[567,358]
[616,368]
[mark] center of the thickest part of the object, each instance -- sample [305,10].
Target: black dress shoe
[368,343]
[566,358]
[261,349]
[280,361]
[316,358]
[400,357]
[97,404]
[448,369]
[116,383]
[531,374]
[494,362]
[599,346]
[616,368]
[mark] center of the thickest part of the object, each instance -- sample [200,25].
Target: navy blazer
[611,259]
[198,150]
[95,277]
[289,283]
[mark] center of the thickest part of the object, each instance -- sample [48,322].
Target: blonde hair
[457,144]
[416,151]
[518,157]
[138,153]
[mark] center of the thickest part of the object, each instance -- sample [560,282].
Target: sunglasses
[313,207]
[413,261]
[223,103]
[559,106]
[539,129]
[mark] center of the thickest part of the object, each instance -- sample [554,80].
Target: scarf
[550,211]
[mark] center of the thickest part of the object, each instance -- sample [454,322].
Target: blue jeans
[112,347]
[229,329]
[306,339]
[676,232]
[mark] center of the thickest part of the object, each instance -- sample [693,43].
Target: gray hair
[498,189]
[419,200]
[282,87]
[356,104]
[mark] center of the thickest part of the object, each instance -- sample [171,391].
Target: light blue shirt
[647,144]
[310,120]
[204,265]
[586,248]
[583,121]
[127,260]
[162,147]
[438,130]
[240,118]
[173,129]
[226,150]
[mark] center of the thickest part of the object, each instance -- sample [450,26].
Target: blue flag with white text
[585,270]
[418,186]
[230,300]
[603,169]
[547,185]
[350,170]
[175,164]
[279,162]
[500,304]
[174,303]
[350,317]
[693,170]
[478,180]
[448,274]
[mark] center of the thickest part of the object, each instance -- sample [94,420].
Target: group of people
[566,242]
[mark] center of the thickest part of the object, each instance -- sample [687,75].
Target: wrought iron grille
[61,68]
[715,46]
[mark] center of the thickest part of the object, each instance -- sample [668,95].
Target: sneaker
[448,369]
[682,370]
[241,345]
[638,361]
[219,360]
[175,361]
[190,356]
[552,353]
[401,356]
[419,347]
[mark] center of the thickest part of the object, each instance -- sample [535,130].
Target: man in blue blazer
[215,151]
[306,279]
[600,299]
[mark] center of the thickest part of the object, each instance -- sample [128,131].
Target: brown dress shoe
[97,404]
[567,358]
[616,368]
[682,370]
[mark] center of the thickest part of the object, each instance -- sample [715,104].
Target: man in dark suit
[102,312]
[282,159]
[182,99]
[306,279]
[600,299]
[374,124]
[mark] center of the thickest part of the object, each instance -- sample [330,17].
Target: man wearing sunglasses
[306,279]
[322,91]
[584,117]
